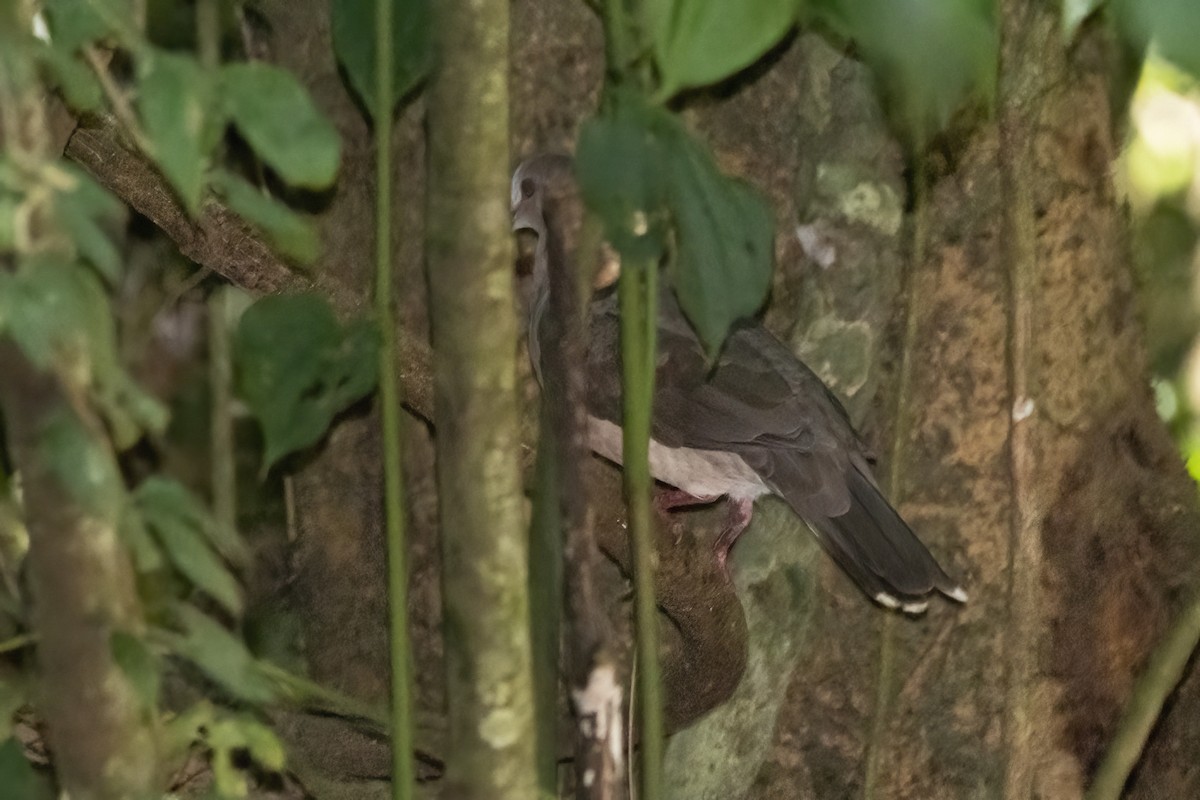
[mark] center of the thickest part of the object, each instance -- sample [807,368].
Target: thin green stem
[208,33]
[220,376]
[639,312]
[403,768]
[1161,676]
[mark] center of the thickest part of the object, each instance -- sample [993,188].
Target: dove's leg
[740,511]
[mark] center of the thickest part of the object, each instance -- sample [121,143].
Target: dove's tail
[881,553]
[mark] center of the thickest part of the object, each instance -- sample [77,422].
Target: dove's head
[536,178]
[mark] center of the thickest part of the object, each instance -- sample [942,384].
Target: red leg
[740,511]
[669,499]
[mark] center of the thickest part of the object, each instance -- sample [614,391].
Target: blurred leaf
[930,54]
[722,270]
[147,557]
[18,777]
[297,368]
[698,42]
[83,207]
[279,120]
[166,494]
[1171,25]
[353,23]
[82,463]
[178,115]
[288,232]
[14,693]
[1074,12]
[140,665]
[77,83]
[221,656]
[621,172]
[74,23]
[638,166]
[179,523]
[242,731]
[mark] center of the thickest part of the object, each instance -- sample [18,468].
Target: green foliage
[175,101]
[288,232]
[191,539]
[297,367]
[221,656]
[638,169]
[82,465]
[1171,25]
[77,83]
[74,23]
[141,667]
[930,56]
[18,777]
[700,42]
[275,115]
[226,734]
[353,24]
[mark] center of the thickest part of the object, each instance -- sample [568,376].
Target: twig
[1162,674]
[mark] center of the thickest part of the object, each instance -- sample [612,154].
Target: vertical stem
[638,293]
[208,33]
[403,771]
[480,495]
[545,602]
[220,376]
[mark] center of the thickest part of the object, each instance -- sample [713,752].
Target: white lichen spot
[589,777]
[816,244]
[1023,409]
[40,29]
[874,204]
[499,728]
[586,728]
[640,223]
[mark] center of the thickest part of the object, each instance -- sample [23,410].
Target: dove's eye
[527,188]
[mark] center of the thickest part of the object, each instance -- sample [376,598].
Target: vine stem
[638,293]
[403,768]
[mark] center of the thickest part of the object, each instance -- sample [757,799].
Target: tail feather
[878,550]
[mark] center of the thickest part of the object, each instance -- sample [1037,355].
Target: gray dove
[756,422]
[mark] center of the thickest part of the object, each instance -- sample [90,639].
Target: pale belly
[700,473]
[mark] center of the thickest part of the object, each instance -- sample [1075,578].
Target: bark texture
[483,524]
[82,587]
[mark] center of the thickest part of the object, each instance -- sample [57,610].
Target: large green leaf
[1170,25]
[84,208]
[179,522]
[297,368]
[639,167]
[620,167]
[74,23]
[76,82]
[722,268]
[288,232]
[353,23]
[698,42]
[178,113]
[221,656]
[930,54]
[18,778]
[276,116]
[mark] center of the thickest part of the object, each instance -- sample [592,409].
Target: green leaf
[221,656]
[275,115]
[178,523]
[930,55]
[74,23]
[722,270]
[147,556]
[620,167]
[297,368]
[244,732]
[82,464]
[83,207]
[18,777]
[698,42]
[288,232]
[140,665]
[177,110]
[76,82]
[353,23]
[1169,25]
[635,165]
